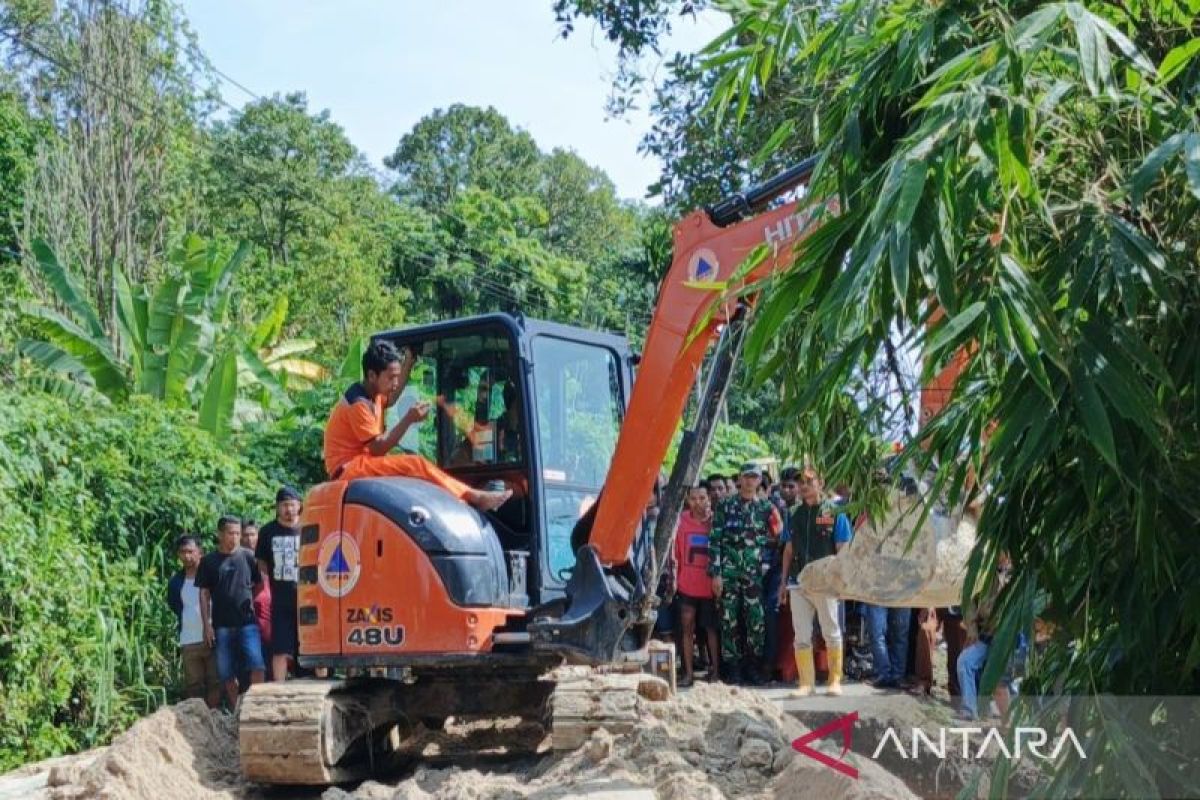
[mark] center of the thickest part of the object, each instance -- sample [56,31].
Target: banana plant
[282,358]
[174,343]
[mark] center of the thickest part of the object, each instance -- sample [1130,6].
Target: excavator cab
[534,404]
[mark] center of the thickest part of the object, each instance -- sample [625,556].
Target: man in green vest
[815,530]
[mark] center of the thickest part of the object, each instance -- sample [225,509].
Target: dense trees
[91,500]
[292,183]
[472,217]
[461,147]
[1033,172]
[511,227]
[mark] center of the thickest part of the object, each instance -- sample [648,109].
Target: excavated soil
[714,741]
[183,751]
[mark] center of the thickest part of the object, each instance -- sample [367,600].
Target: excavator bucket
[887,565]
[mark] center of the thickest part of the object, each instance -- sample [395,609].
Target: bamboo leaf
[1011,148]
[1019,615]
[1088,39]
[1145,175]
[954,328]
[912,184]
[1123,43]
[1192,162]
[1095,418]
[782,133]
[1027,349]
[1030,28]
[1176,61]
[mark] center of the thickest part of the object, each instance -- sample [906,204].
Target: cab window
[470,381]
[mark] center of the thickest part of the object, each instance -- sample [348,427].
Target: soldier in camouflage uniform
[742,526]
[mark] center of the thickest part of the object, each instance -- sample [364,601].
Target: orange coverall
[354,422]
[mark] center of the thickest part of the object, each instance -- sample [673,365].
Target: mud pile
[183,751]
[709,743]
[712,742]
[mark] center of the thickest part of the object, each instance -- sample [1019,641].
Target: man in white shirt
[199,659]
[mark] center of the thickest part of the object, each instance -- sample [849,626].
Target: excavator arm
[608,598]
[693,310]
[709,246]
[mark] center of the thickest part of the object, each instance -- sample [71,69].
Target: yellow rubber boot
[807,672]
[835,670]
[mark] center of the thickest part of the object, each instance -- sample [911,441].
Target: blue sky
[381,65]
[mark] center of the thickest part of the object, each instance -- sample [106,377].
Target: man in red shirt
[696,605]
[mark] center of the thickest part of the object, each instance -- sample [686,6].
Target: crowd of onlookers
[730,602]
[236,606]
[729,599]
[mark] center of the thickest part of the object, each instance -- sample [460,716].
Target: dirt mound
[712,742]
[183,752]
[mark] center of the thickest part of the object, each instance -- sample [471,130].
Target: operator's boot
[807,671]
[835,654]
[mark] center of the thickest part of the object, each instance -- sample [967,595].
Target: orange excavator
[430,609]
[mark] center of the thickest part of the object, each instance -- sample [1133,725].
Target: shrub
[289,449]
[91,500]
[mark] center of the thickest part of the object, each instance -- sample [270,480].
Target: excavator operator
[357,444]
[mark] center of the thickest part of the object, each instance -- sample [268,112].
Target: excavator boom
[709,247]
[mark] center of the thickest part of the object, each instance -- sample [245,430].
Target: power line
[561,295]
[228,79]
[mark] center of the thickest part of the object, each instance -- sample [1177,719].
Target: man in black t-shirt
[226,578]
[278,557]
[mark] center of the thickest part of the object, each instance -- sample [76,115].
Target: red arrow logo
[846,725]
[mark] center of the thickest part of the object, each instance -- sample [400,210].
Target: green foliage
[91,501]
[18,139]
[732,446]
[705,159]
[291,182]
[177,344]
[1030,170]
[507,227]
[288,450]
[460,147]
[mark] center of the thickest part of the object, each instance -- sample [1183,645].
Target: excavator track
[316,732]
[586,700]
[313,732]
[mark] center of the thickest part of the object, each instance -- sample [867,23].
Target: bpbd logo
[703,266]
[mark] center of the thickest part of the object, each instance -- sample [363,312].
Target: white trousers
[804,608]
